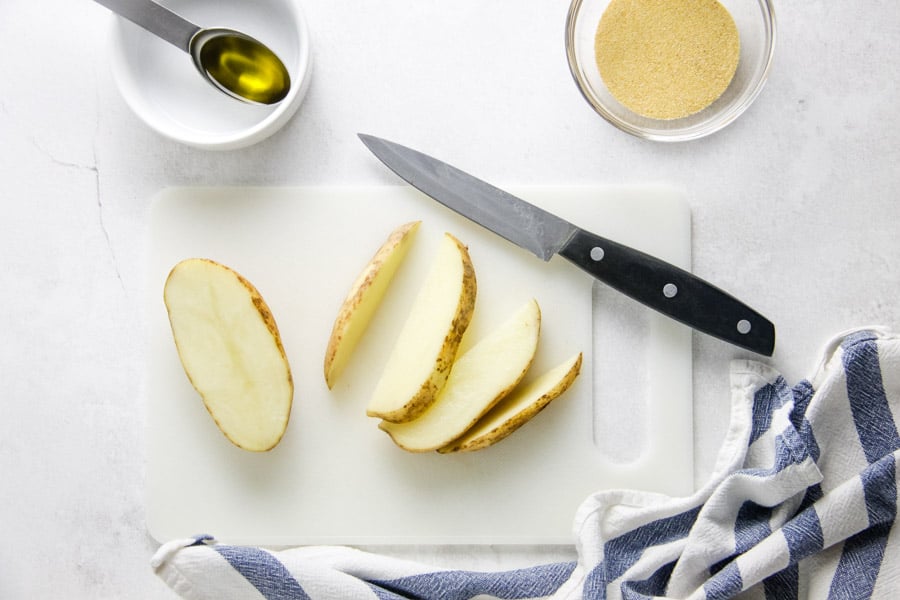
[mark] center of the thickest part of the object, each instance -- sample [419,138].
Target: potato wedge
[518,408]
[363,299]
[231,351]
[479,379]
[426,347]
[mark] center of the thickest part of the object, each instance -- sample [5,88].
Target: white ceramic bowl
[160,84]
[755,21]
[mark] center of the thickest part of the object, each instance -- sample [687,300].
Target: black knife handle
[672,291]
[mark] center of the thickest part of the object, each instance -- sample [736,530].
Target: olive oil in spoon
[233,62]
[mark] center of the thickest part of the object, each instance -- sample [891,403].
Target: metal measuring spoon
[233,62]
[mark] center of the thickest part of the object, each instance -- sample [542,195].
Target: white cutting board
[336,478]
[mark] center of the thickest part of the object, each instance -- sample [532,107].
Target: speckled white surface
[794,208]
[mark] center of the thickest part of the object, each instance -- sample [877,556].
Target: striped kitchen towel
[801,504]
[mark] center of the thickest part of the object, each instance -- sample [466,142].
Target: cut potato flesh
[426,347]
[363,299]
[518,408]
[231,351]
[480,378]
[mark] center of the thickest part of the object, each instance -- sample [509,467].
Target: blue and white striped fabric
[801,504]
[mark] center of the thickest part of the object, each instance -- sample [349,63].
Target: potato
[229,346]
[518,408]
[480,378]
[363,300]
[426,346]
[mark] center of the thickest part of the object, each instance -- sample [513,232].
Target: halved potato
[518,408]
[363,299]
[231,351]
[427,344]
[480,378]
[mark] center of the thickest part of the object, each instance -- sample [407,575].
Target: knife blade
[656,283]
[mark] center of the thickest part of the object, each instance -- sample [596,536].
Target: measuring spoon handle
[156,19]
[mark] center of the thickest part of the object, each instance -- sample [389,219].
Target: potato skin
[506,428]
[481,378]
[357,294]
[428,391]
[264,311]
[268,319]
[267,316]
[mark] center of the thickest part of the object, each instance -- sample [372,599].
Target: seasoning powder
[666,59]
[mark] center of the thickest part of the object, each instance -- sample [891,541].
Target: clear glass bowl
[755,21]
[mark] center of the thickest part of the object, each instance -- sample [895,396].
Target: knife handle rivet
[597,253]
[743,326]
[670,290]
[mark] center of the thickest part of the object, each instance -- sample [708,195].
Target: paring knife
[654,282]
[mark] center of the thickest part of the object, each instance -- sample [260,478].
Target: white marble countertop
[794,209]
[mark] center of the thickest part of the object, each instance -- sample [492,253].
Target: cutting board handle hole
[620,375]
